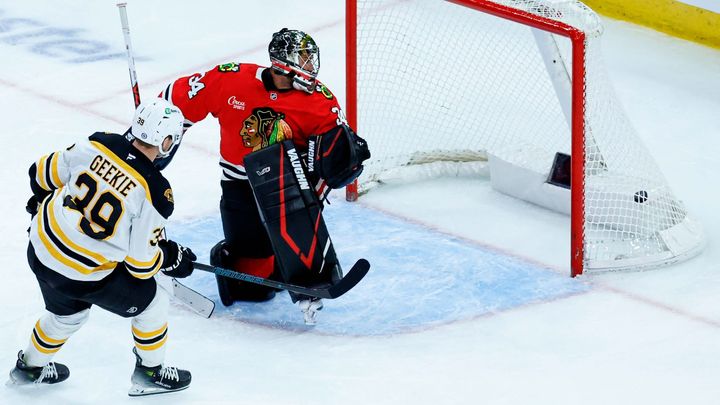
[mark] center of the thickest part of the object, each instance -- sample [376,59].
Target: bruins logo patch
[168,194]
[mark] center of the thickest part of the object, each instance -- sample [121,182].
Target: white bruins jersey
[107,204]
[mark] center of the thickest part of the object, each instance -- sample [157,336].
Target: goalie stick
[356,273]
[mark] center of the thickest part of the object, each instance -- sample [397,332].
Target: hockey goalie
[284,143]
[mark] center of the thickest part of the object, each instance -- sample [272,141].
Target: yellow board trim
[669,16]
[46,338]
[125,166]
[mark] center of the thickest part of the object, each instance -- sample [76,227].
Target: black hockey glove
[32,205]
[337,156]
[178,260]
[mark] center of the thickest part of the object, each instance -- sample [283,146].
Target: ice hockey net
[523,82]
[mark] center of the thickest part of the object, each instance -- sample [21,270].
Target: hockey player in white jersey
[97,238]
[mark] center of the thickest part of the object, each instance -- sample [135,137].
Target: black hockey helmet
[295,53]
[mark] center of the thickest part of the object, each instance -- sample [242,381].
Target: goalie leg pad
[292,215]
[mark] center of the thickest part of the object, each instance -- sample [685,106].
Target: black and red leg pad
[292,215]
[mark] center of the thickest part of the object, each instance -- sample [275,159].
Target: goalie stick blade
[197,302]
[356,273]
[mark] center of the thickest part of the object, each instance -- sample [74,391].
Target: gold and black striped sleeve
[144,269]
[45,174]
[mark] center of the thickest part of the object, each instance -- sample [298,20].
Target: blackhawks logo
[264,127]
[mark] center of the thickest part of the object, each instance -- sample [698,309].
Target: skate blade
[12,381]
[137,390]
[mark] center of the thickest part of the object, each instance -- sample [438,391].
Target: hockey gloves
[32,206]
[337,156]
[178,260]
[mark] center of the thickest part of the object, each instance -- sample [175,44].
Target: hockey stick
[199,303]
[356,273]
[195,301]
[128,47]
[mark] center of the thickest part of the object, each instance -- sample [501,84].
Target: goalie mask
[294,53]
[155,121]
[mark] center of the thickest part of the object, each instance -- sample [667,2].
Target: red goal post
[659,243]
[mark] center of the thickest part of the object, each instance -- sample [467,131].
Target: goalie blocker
[291,213]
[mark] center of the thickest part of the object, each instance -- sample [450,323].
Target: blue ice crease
[420,278]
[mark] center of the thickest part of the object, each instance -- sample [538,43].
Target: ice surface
[468,300]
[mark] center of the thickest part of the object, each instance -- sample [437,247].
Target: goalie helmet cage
[461,80]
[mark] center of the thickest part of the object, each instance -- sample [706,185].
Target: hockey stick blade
[192,299]
[197,302]
[356,273]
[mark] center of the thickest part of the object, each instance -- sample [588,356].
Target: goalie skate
[310,307]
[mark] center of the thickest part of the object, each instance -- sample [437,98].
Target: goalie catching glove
[337,156]
[178,260]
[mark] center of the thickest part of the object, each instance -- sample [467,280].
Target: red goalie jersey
[251,111]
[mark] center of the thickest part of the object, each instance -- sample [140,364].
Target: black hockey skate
[51,373]
[157,380]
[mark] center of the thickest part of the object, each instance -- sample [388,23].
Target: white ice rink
[469,299]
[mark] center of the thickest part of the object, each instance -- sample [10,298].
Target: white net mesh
[438,82]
